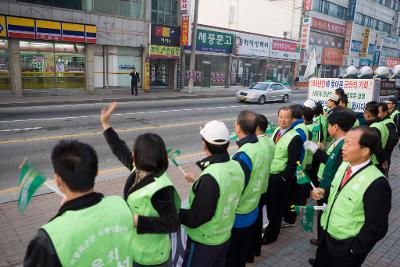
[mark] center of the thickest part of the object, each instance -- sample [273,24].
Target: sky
[259,16]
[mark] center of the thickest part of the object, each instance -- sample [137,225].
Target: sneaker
[286,225]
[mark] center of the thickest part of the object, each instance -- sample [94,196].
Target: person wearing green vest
[149,193]
[359,202]
[393,112]
[269,150]
[371,113]
[321,120]
[252,160]
[88,226]
[393,135]
[213,200]
[344,104]
[288,146]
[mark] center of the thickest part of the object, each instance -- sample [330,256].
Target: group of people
[224,217]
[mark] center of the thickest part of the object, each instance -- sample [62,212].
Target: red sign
[307,5]
[392,61]
[327,26]
[284,46]
[332,56]
[185,31]
[347,38]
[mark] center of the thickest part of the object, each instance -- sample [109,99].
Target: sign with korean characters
[252,45]
[359,91]
[305,33]
[213,41]
[165,35]
[285,49]
[185,6]
[365,42]
[185,28]
[158,51]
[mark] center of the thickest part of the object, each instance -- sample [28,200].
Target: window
[164,12]
[4,61]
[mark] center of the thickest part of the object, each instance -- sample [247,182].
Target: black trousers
[325,259]
[277,197]
[256,235]
[134,88]
[200,255]
[239,247]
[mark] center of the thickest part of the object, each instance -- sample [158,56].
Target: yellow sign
[3,26]
[146,82]
[164,51]
[365,43]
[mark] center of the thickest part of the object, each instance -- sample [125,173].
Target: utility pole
[193,51]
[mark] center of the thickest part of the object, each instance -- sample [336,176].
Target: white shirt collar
[358,167]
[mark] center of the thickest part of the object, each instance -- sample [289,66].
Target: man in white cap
[213,200]
[333,103]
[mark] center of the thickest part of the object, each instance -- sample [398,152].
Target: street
[33,131]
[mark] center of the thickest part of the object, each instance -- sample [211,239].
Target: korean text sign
[213,41]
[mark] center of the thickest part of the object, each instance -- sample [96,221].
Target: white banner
[252,45]
[285,49]
[359,91]
[305,33]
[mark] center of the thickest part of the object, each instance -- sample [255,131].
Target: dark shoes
[311,261]
[267,242]
[314,242]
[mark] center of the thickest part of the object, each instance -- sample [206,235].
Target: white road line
[24,129]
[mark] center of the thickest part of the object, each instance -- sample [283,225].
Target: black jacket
[379,151]
[41,251]
[162,201]
[392,140]
[206,194]
[135,79]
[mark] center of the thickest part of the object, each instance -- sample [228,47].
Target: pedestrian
[252,159]
[135,79]
[148,192]
[269,149]
[213,200]
[288,146]
[393,112]
[82,219]
[359,202]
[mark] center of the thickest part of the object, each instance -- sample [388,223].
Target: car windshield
[260,86]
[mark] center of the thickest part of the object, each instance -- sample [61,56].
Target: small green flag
[233,136]
[306,216]
[172,153]
[29,181]
[302,177]
[316,129]
[271,128]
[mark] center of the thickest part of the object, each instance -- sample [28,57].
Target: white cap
[334,97]
[215,132]
[309,104]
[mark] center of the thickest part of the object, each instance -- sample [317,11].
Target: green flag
[302,177]
[233,136]
[306,216]
[271,128]
[29,181]
[172,153]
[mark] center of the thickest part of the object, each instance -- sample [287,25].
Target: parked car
[262,92]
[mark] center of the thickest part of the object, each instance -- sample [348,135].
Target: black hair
[149,154]
[262,122]
[76,163]
[340,92]
[345,100]
[247,122]
[216,149]
[372,108]
[284,109]
[308,113]
[345,119]
[369,138]
[384,106]
[318,110]
[297,111]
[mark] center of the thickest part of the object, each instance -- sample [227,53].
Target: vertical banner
[146,80]
[307,5]
[305,33]
[365,42]
[347,38]
[179,74]
[185,28]
[351,11]
[185,6]
[377,55]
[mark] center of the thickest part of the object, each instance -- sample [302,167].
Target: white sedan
[262,92]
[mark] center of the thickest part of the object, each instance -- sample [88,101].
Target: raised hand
[106,113]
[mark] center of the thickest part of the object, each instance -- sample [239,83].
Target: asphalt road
[33,131]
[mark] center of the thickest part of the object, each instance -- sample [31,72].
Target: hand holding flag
[172,153]
[306,215]
[233,136]
[302,177]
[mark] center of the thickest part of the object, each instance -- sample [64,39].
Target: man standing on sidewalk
[89,227]
[358,207]
[135,79]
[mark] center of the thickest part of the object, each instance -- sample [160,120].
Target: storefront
[4,67]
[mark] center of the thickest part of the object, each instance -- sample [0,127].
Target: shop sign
[392,61]
[126,66]
[365,62]
[165,35]
[48,30]
[347,37]
[365,42]
[20,27]
[307,5]
[359,91]
[305,33]
[146,82]
[332,56]
[158,51]
[285,49]
[185,6]
[377,56]
[179,74]
[326,40]
[351,11]
[185,28]
[90,34]
[391,42]
[355,46]
[371,49]
[326,26]
[3,26]
[213,41]
[355,61]
[252,45]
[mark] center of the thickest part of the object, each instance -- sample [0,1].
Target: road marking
[23,129]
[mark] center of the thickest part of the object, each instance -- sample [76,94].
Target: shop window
[69,65]
[4,66]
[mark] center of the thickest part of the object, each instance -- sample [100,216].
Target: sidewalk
[55,97]
[292,248]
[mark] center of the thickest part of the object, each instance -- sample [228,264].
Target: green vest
[323,122]
[393,114]
[356,123]
[251,194]
[281,151]
[269,150]
[384,132]
[230,178]
[304,127]
[321,169]
[314,129]
[344,216]
[149,248]
[88,236]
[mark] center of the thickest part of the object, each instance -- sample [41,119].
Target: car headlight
[252,94]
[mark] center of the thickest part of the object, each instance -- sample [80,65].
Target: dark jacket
[135,79]
[392,140]
[41,251]
[162,201]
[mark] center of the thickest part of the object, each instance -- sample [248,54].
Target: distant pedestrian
[135,79]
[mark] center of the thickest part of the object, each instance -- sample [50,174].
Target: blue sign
[371,49]
[365,62]
[351,11]
[377,55]
[355,46]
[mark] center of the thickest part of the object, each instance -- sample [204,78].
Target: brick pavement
[291,249]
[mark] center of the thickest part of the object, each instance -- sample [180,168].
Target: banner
[351,11]
[307,5]
[347,37]
[365,42]
[146,80]
[392,61]
[326,26]
[285,49]
[332,56]
[213,41]
[185,28]
[157,51]
[185,6]
[252,45]
[359,91]
[305,33]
